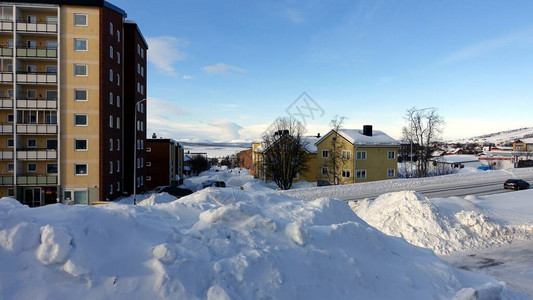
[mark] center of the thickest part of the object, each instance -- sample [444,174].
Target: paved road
[449,190]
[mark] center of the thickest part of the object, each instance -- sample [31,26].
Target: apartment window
[31,94]
[80,120]
[51,117]
[80,95]
[32,167]
[118,101]
[346,173]
[324,170]
[361,154]
[142,89]
[51,95]
[142,71]
[110,167]
[138,163]
[80,45]
[142,107]
[118,144]
[110,28]
[325,153]
[10,167]
[31,19]
[118,79]
[118,166]
[51,144]
[10,192]
[138,49]
[51,44]
[31,68]
[360,174]
[142,162]
[80,169]
[51,19]
[10,118]
[10,143]
[51,168]
[32,143]
[110,189]
[10,67]
[110,121]
[111,50]
[148,163]
[118,57]
[118,35]
[138,68]
[118,122]
[80,20]
[138,87]
[110,144]
[10,92]
[111,98]
[391,173]
[118,186]
[110,75]
[80,145]
[80,70]
[346,154]
[51,69]
[31,44]
[142,52]
[391,154]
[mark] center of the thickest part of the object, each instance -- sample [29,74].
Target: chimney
[367,130]
[318,135]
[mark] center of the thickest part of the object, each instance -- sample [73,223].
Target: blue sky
[224,70]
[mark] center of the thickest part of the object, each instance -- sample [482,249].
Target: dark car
[215,183]
[517,184]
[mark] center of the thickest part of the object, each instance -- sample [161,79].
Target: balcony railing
[37,103]
[6,154]
[37,154]
[37,128]
[34,180]
[6,51]
[36,77]
[6,128]
[37,52]
[39,27]
[6,25]
[6,102]
[6,180]
[6,77]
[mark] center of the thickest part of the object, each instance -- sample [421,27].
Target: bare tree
[284,154]
[334,162]
[424,127]
[199,163]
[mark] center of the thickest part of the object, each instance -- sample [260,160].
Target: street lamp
[135,152]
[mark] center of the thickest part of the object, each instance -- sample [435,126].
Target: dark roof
[133,23]
[101,3]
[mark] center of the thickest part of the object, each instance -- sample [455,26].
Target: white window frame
[86,120]
[81,90]
[57,167]
[325,153]
[81,40]
[86,145]
[86,19]
[361,155]
[346,154]
[346,173]
[86,70]
[81,174]
[389,173]
[360,174]
[393,154]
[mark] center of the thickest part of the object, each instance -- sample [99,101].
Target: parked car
[517,184]
[215,183]
[177,191]
[159,189]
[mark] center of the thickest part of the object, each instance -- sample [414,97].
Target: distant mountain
[214,149]
[503,136]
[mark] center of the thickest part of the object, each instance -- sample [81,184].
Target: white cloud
[481,48]
[187,77]
[164,51]
[221,69]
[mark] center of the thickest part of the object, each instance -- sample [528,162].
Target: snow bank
[218,244]
[413,217]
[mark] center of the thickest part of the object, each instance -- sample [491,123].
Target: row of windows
[359,174]
[82,120]
[33,68]
[32,167]
[346,154]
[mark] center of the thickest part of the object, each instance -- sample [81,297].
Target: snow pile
[413,217]
[217,244]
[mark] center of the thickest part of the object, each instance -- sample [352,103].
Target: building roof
[133,23]
[310,143]
[356,137]
[101,3]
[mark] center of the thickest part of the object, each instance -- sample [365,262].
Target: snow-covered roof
[356,137]
[460,158]
[310,143]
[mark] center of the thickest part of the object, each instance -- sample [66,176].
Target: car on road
[517,184]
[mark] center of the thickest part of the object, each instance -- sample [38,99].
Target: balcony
[38,27]
[6,51]
[6,77]
[6,154]
[36,180]
[37,154]
[6,25]
[6,102]
[6,180]
[37,103]
[6,128]
[36,52]
[36,128]
[36,77]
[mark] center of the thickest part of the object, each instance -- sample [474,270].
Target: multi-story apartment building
[63,90]
[164,163]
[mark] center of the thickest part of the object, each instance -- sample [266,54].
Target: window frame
[86,70]
[81,40]
[81,149]
[81,115]
[31,164]
[346,173]
[361,155]
[393,154]
[360,174]
[49,164]
[81,90]
[393,173]
[76,169]
[348,156]
[326,152]
[84,15]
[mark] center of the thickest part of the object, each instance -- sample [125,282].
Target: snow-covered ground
[257,243]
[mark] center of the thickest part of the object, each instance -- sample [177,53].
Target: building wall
[326,144]
[159,161]
[244,159]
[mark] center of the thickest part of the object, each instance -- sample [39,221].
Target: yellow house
[364,155]
[309,174]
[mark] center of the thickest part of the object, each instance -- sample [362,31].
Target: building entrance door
[32,197]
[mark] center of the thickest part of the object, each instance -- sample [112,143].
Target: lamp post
[135,152]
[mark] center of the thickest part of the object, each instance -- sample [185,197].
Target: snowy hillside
[503,136]
[215,149]
[219,244]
